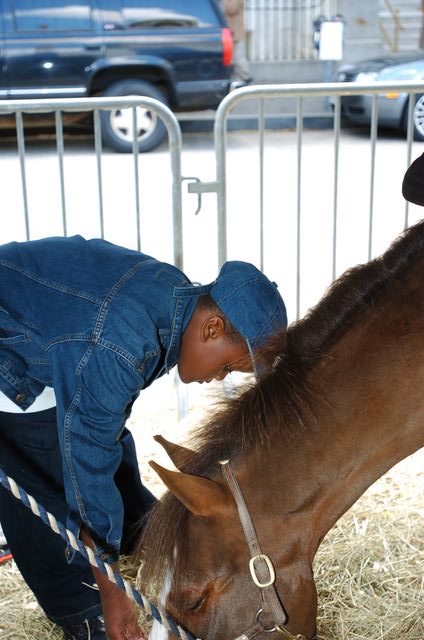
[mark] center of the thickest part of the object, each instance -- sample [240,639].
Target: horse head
[224,588]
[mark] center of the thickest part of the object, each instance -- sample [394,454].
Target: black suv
[177,51]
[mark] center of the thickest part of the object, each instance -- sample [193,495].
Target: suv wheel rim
[419,115]
[122,123]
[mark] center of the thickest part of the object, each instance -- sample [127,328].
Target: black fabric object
[413,182]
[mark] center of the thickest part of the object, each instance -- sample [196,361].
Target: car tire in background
[117,124]
[417,118]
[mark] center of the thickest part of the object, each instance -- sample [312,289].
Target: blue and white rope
[156,611]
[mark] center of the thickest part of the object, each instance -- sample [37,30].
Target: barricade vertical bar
[303,29]
[174,134]
[337,120]
[297,18]
[136,178]
[409,137]
[374,124]
[299,130]
[289,34]
[271,32]
[308,29]
[98,150]
[21,152]
[280,31]
[261,179]
[175,141]
[220,135]
[60,155]
[262,37]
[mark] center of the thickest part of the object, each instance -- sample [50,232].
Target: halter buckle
[270,567]
[259,627]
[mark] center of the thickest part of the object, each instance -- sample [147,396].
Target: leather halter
[261,570]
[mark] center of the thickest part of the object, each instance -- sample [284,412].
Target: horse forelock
[283,402]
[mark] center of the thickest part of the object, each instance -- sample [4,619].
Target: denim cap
[250,301]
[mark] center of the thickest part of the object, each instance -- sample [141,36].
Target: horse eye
[195,606]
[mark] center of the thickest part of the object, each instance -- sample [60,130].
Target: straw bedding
[369,569]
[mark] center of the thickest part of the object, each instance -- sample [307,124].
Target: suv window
[170,13]
[51,15]
[178,52]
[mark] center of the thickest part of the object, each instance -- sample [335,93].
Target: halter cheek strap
[261,569]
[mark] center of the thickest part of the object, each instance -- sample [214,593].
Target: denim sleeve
[92,398]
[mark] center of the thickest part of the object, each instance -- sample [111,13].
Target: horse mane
[280,402]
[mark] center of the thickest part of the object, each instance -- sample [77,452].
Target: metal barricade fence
[88,215]
[229,208]
[60,107]
[284,198]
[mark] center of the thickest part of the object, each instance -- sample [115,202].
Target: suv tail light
[227,46]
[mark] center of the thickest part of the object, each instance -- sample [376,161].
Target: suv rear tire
[117,124]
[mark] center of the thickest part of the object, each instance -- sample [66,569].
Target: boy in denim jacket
[84,326]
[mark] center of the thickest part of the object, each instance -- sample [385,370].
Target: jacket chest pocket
[9,338]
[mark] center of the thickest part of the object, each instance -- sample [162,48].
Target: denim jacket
[98,323]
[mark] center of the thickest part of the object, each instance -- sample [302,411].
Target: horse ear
[201,496]
[179,455]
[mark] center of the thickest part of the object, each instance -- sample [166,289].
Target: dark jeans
[29,453]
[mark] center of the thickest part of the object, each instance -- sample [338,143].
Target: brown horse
[343,404]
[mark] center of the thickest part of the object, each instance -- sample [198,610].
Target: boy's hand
[119,612]
[120,615]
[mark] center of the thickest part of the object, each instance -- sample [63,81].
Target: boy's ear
[213,327]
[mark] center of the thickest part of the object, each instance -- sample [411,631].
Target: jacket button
[20,397]
[67,553]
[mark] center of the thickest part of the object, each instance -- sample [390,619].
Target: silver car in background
[393,106]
